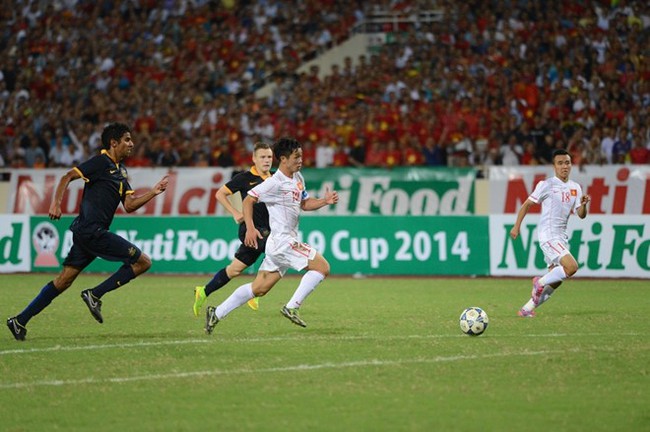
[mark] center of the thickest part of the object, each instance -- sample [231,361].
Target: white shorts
[284,253]
[554,250]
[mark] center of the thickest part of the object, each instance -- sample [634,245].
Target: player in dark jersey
[106,187]
[245,256]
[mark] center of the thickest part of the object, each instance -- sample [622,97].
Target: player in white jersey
[285,196]
[559,197]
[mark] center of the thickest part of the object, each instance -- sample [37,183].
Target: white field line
[145,344]
[295,368]
[61,348]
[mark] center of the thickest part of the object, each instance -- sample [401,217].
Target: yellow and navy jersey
[106,187]
[242,183]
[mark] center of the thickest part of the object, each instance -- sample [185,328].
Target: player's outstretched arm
[330,198]
[523,211]
[252,234]
[132,203]
[222,196]
[582,210]
[55,206]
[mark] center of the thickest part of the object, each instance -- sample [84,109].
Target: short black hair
[285,147]
[559,152]
[114,131]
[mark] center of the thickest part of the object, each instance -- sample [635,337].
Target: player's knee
[324,269]
[62,284]
[570,269]
[143,264]
[232,272]
[260,290]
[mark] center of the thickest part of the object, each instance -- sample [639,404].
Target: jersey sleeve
[304,194]
[235,184]
[540,193]
[577,204]
[91,169]
[265,191]
[128,189]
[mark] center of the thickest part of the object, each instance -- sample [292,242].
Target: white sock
[529,306]
[546,294]
[555,275]
[240,296]
[308,283]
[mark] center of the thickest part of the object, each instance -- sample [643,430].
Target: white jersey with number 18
[282,196]
[558,199]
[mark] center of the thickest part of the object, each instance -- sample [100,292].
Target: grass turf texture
[378,354]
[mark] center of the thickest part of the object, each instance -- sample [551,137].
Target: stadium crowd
[495,82]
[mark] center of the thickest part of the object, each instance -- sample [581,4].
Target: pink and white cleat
[526,314]
[538,288]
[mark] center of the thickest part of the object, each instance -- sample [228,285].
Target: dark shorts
[104,244]
[248,255]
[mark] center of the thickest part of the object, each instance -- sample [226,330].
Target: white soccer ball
[473,321]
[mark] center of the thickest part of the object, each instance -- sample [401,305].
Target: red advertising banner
[614,190]
[191,191]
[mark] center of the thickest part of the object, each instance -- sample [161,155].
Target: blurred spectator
[376,155]
[528,156]
[340,157]
[308,154]
[433,153]
[72,155]
[412,153]
[607,145]
[39,162]
[511,152]
[186,154]
[622,147]
[461,148]
[242,159]
[221,156]
[139,159]
[639,154]
[168,156]
[18,162]
[202,160]
[324,154]
[357,155]
[591,150]
[33,151]
[392,156]
[15,152]
[55,156]
[493,158]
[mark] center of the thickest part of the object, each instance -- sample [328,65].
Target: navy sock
[121,277]
[220,279]
[40,302]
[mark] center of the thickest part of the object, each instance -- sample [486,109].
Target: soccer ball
[473,321]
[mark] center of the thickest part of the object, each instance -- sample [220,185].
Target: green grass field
[379,354]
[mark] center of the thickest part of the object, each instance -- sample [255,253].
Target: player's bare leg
[549,283]
[262,284]
[317,270]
